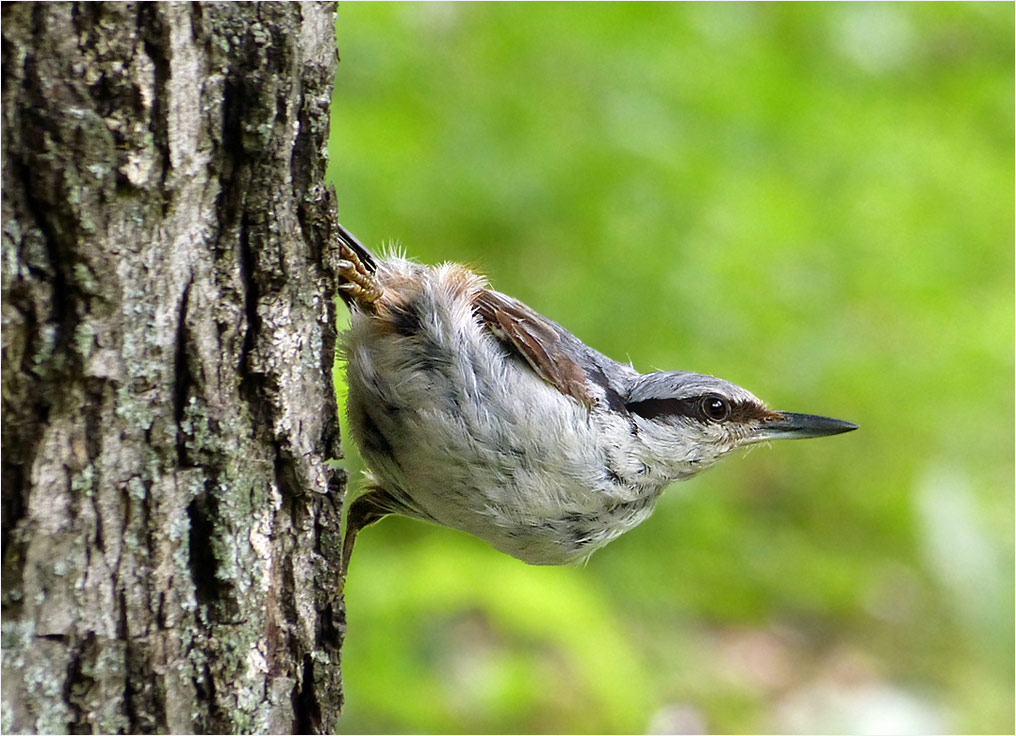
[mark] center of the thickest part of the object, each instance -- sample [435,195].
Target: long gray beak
[789,426]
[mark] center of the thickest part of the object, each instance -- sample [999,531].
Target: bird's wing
[534,338]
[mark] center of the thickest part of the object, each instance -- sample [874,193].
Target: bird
[473,411]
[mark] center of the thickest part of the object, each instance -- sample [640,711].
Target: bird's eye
[715,408]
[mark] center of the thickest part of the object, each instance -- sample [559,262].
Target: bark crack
[182,376]
[306,708]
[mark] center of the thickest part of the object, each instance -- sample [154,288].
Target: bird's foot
[357,281]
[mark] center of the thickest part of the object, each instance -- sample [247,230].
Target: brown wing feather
[532,337]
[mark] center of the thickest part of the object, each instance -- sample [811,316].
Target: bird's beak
[786,425]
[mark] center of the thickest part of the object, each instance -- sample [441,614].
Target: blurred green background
[813,201]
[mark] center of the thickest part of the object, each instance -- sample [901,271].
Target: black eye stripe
[654,408]
[694,409]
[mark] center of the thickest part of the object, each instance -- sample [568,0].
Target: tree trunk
[170,520]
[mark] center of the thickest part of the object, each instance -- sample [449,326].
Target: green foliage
[814,201]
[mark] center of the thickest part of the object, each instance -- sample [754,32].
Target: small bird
[475,412]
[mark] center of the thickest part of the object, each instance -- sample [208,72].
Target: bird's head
[688,421]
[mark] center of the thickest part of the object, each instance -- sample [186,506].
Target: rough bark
[170,517]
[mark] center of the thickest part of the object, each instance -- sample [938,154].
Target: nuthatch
[475,412]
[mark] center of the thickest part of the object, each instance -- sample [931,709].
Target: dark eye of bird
[715,408]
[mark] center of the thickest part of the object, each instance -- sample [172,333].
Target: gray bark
[170,517]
